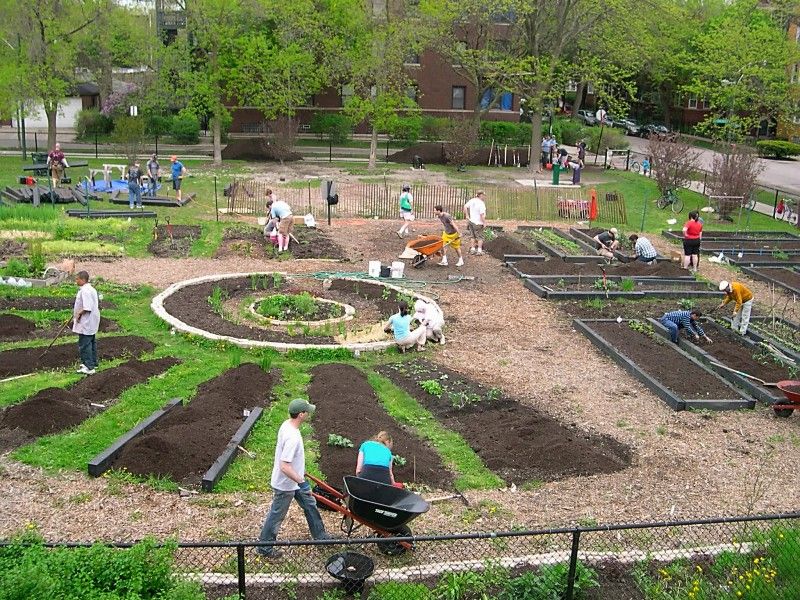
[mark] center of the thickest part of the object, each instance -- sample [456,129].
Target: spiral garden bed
[220,307]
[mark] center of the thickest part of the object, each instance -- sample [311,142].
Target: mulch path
[244,241]
[657,358]
[631,269]
[513,440]
[347,406]
[55,409]
[27,360]
[179,245]
[184,444]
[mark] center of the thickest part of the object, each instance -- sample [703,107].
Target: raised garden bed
[554,288]
[176,245]
[783,277]
[600,308]
[757,247]
[249,242]
[739,353]
[185,443]
[587,236]
[218,307]
[20,361]
[513,440]
[559,243]
[632,269]
[110,214]
[508,247]
[733,236]
[348,407]
[56,409]
[763,260]
[781,333]
[34,281]
[667,370]
[15,328]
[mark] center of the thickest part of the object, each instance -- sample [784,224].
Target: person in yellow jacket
[744,303]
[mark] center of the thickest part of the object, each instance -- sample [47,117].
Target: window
[412,92]
[692,101]
[347,92]
[459,97]
[412,58]
[505,102]
[571,86]
[590,88]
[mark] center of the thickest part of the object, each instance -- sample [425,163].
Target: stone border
[157,305]
[349,311]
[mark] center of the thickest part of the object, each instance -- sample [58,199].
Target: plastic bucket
[385,271]
[397,269]
[374,269]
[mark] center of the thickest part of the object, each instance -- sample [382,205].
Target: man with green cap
[289,481]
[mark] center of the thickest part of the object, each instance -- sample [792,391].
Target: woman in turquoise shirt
[375,459]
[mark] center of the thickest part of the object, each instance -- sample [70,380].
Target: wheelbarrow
[789,387]
[424,248]
[385,509]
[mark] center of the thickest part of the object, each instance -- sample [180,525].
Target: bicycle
[670,198]
[636,167]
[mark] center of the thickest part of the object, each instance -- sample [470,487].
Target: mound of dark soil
[253,149]
[340,392]
[13,327]
[185,443]
[505,244]
[40,303]
[28,360]
[9,248]
[177,246]
[250,243]
[55,409]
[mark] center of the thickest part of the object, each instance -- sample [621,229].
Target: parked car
[587,116]
[631,127]
[654,129]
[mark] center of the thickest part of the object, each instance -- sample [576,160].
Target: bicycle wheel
[751,204]
[677,205]
[662,202]
[636,167]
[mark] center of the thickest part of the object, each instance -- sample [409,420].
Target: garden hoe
[60,331]
[743,374]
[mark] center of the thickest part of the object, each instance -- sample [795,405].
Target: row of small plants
[457,398]
[300,307]
[551,237]
[338,441]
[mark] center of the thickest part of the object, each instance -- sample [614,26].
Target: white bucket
[262,221]
[374,268]
[397,269]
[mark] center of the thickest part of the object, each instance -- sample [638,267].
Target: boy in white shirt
[86,322]
[475,209]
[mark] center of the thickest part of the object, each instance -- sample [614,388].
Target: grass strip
[209,240]
[454,450]
[15,391]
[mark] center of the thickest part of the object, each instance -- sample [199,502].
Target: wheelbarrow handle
[325,486]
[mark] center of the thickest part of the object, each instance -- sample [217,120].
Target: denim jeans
[87,347]
[152,187]
[672,327]
[645,260]
[277,513]
[134,195]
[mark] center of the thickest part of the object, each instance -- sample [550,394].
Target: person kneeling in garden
[375,460]
[744,304]
[643,249]
[400,324]
[684,319]
[607,243]
[432,318]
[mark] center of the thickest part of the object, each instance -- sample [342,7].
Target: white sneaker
[460,262]
[81,369]
[441,339]
[473,250]
[90,372]
[480,253]
[86,370]
[442,263]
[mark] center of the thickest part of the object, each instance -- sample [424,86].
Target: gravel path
[686,464]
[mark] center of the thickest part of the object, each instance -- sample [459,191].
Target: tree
[734,172]
[672,162]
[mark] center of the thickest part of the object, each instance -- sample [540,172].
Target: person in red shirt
[692,233]
[56,162]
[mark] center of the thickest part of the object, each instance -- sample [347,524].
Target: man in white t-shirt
[86,322]
[475,209]
[289,481]
[431,316]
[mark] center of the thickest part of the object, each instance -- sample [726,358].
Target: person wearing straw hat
[607,243]
[743,297]
[178,172]
[289,481]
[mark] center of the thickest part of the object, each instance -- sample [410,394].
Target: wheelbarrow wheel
[418,261]
[390,548]
[783,412]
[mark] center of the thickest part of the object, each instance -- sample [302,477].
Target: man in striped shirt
[684,319]
[643,249]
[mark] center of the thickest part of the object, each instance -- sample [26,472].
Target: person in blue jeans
[153,170]
[135,186]
[289,481]
[684,319]
[375,460]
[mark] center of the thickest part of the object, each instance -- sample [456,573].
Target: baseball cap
[299,405]
[614,230]
[723,285]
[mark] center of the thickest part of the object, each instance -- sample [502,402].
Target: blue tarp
[116,184]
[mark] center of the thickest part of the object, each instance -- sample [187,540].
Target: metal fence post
[628,161]
[573,564]
[216,200]
[775,205]
[240,571]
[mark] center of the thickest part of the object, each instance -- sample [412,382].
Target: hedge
[335,127]
[91,122]
[505,132]
[777,148]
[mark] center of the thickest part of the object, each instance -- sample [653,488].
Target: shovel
[743,374]
[60,331]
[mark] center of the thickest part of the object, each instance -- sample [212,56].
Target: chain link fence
[752,558]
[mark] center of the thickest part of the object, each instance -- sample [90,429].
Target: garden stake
[60,331]
[155,230]
[16,377]
[605,282]
[169,233]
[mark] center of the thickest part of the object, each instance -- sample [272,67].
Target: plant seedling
[334,439]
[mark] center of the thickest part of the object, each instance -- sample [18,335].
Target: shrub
[186,129]
[332,126]
[777,148]
[569,132]
[15,268]
[504,132]
[407,128]
[91,121]
[158,125]
[128,136]
[612,139]
[434,129]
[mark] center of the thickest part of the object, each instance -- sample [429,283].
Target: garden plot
[529,268]
[20,361]
[507,247]
[752,247]
[56,409]
[741,354]
[15,328]
[776,259]
[600,308]
[735,237]
[559,244]
[173,241]
[186,442]
[554,287]
[587,236]
[672,374]
[781,333]
[783,277]
[224,306]
[44,303]
[248,242]
[348,413]
[512,439]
